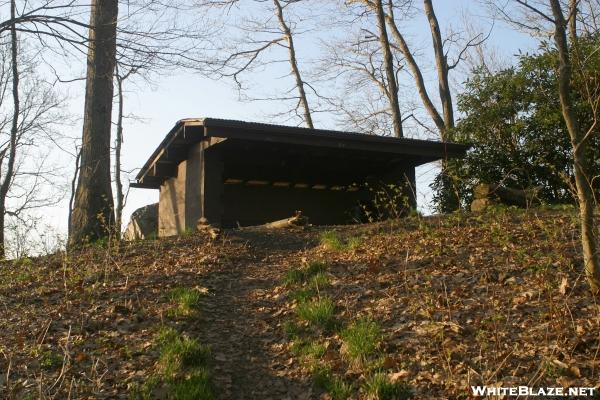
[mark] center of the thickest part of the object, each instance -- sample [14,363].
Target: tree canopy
[512,119]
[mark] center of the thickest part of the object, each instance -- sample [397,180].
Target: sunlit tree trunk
[118,144]
[441,66]
[287,33]
[92,216]
[579,143]
[390,72]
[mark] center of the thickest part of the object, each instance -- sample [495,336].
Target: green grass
[330,240]
[312,350]
[178,352]
[25,276]
[334,386]
[300,275]
[361,340]
[49,360]
[46,357]
[293,277]
[144,391]
[195,387]
[183,365]
[319,281]
[292,329]
[186,301]
[319,312]
[23,262]
[302,295]
[379,387]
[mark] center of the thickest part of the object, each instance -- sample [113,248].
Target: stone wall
[171,209]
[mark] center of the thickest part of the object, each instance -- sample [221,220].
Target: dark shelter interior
[234,173]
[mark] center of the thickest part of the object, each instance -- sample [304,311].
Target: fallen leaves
[461,301]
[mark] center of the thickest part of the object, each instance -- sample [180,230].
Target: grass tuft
[319,281]
[318,312]
[183,367]
[334,386]
[300,275]
[312,350]
[379,387]
[330,240]
[178,352]
[292,329]
[294,276]
[302,295]
[361,340]
[186,301]
[197,386]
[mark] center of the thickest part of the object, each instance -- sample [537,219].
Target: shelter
[235,173]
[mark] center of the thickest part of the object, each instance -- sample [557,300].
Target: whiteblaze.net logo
[480,391]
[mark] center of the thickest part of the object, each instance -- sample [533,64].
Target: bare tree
[444,118]
[442,67]
[360,69]
[93,216]
[153,38]
[402,45]
[14,130]
[118,143]
[253,43]
[354,66]
[287,34]
[390,73]
[26,135]
[121,77]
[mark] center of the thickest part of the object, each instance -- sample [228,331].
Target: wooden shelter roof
[163,162]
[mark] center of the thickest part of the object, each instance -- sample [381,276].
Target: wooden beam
[164,169]
[257,183]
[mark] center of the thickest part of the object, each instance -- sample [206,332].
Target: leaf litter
[498,299]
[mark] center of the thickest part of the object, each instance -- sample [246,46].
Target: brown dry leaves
[81,326]
[498,299]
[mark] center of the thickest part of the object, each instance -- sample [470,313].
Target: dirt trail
[240,322]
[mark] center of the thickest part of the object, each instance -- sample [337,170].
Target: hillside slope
[423,307]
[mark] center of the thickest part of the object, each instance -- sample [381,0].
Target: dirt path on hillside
[240,321]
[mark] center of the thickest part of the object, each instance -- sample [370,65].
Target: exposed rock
[479,205]
[486,195]
[143,223]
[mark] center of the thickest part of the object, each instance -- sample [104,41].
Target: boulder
[486,195]
[143,223]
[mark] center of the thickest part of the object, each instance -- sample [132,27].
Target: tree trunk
[118,144]
[92,216]
[441,65]
[416,72]
[12,145]
[74,186]
[388,60]
[579,143]
[294,65]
